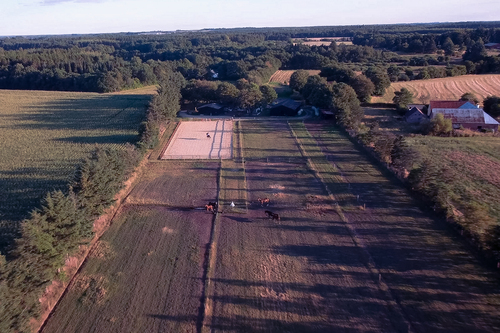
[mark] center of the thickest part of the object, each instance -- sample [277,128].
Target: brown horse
[272,215]
[265,201]
[209,208]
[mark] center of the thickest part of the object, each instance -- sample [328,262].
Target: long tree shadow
[84,121]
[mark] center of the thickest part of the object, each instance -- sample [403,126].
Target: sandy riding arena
[190,141]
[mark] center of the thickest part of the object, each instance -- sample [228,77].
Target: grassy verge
[461,176]
[160,148]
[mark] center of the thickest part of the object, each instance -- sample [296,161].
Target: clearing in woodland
[283,76]
[45,134]
[449,88]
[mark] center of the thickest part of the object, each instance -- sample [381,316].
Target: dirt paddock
[190,141]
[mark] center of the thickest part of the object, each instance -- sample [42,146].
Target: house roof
[474,116]
[412,111]
[489,119]
[288,103]
[468,105]
[418,106]
[446,104]
[491,44]
[211,105]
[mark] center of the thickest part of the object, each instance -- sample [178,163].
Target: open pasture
[351,251]
[472,165]
[45,134]
[146,269]
[439,284]
[176,184]
[146,273]
[449,88]
[283,76]
[303,273]
[190,141]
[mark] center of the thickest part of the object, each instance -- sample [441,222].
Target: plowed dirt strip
[190,141]
[438,283]
[300,274]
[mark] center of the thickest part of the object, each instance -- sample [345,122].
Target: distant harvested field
[450,88]
[45,134]
[148,90]
[318,41]
[283,76]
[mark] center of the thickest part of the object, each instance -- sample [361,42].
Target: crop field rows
[45,134]
[350,252]
[283,76]
[449,88]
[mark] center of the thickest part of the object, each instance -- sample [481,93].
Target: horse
[272,215]
[265,201]
[209,208]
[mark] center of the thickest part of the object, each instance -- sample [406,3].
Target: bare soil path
[191,141]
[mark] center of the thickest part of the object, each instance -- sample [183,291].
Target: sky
[44,17]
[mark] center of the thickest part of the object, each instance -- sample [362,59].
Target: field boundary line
[169,140]
[206,302]
[156,152]
[242,156]
[390,299]
[242,163]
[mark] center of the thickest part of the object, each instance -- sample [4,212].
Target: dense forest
[106,63]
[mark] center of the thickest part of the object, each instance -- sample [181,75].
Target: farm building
[285,107]
[211,109]
[326,114]
[492,46]
[414,116]
[418,106]
[474,119]
[449,105]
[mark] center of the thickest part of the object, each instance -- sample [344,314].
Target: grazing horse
[209,208]
[265,201]
[272,215]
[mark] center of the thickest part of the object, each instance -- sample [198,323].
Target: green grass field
[471,166]
[45,134]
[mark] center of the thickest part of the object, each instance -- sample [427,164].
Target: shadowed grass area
[464,172]
[45,134]
[330,175]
